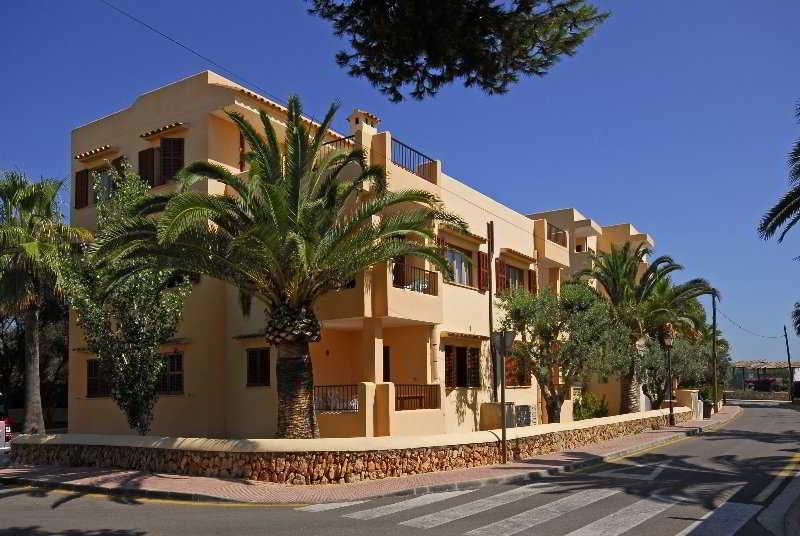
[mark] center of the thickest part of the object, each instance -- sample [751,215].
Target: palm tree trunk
[629,391]
[34,419]
[295,380]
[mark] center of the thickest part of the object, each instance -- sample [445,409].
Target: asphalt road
[722,483]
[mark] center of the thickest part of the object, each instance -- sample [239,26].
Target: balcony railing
[410,397]
[336,398]
[412,160]
[557,235]
[414,278]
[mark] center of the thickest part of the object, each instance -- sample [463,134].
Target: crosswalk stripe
[726,519]
[626,518]
[416,502]
[324,507]
[543,514]
[476,507]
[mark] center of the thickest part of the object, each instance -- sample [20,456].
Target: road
[721,483]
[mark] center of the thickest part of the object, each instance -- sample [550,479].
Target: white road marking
[481,505]
[543,514]
[783,474]
[324,507]
[415,502]
[620,472]
[772,518]
[726,519]
[627,518]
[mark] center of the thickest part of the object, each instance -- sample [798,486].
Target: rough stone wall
[757,395]
[324,467]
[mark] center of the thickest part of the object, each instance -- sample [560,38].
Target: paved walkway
[138,483]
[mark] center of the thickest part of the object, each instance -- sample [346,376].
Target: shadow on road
[35,530]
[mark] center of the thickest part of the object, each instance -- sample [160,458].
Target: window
[257,366]
[518,372]
[462,366]
[461,261]
[82,188]
[171,157]
[158,165]
[171,380]
[515,277]
[96,385]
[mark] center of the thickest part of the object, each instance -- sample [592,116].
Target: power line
[196,53]
[732,321]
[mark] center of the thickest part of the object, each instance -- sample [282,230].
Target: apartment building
[404,351]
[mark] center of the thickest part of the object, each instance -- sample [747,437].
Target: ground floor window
[257,367]
[96,385]
[171,380]
[462,366]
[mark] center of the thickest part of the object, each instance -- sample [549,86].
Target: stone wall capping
[343,444]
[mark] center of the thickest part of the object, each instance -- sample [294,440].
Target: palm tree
[32,237]
[641,301]
[307,219]
[786,212]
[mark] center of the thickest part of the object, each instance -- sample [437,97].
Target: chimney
[363,120]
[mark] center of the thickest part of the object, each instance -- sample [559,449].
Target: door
[387,364]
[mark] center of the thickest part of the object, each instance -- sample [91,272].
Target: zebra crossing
[608,511]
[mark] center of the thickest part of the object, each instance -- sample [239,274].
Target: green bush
[590,406]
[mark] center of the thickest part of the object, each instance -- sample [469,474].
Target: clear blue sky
[675,116]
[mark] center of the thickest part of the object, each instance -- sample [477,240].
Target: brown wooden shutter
[82,188]
[118,164]
[512,374]
[533,285]
[171,158]
[241,152]
[483,270]
[147,166]
[500,273]
[449,366]
[473,367]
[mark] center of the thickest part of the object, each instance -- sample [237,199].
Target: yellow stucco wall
[357,323]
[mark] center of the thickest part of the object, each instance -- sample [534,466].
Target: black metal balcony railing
[336,398]
[341,143]
[557,235]
[414,278]
[410,397]
[412,160]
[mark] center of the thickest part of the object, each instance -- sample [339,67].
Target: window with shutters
[462,366]
[96,385]
[82,188]
[257,367]
[148,170]
[501,275]
[515,277]
[461,262]
[518,373]
[171,158]
[171,379]
[483,270]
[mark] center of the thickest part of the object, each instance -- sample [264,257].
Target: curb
[419,490]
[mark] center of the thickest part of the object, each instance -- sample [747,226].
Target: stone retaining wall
[325,467]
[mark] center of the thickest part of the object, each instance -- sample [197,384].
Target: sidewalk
[165,486]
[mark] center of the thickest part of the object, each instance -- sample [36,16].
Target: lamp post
[502,342]
[669,340]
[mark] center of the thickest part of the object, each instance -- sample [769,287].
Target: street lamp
[669,340]
[503,342]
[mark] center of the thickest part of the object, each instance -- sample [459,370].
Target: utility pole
[789,359]
[492,349]
[715,394]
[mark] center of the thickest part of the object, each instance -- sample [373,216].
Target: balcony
[413,397]
[551,244]
[415,279]
[410,159]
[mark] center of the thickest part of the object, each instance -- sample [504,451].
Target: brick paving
[160,485]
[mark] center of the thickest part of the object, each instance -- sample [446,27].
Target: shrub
[590,406]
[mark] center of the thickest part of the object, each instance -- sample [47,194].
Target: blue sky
[674,116]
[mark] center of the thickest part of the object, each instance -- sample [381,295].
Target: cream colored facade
[403,352]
